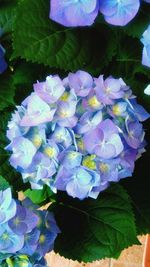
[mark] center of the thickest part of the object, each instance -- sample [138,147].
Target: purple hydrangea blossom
[81,82]
[110,89]
[7,206]
[38,111]
[104,140]
[40,171]
[13,126]
[119,12]
[48,233]
[24,221]
[79,182]
[134,134]
[30,242]
[88,121]
[50,90]
[95,122]
[146,50]
[9,241]
[23,152]
[83,12]
[74,12]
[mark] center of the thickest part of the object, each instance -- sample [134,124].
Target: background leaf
[138,188]
[7,92]
[38,39]
[95,229]
[7,14]
[39,196]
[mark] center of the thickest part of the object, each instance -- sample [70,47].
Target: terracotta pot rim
[146,256]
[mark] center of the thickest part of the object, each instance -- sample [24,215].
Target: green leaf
[95,229]
[38,39]
[127,64]
[7,14]
[7,92]
[39,196]
[138,188]
[3,183]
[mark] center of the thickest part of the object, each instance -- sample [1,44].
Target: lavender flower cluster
[26,233]
[83,12]
[77,134]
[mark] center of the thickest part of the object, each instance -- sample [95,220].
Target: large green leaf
[95,229]
[38,39]
[7,90]
[138,188]
[7,14]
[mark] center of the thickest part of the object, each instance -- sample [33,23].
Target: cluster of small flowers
[83,12]
[26,234]
[77,134]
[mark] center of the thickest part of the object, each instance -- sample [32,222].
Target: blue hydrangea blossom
[74,12]
[146,50]
[26,234]
[96,127]
[119,12]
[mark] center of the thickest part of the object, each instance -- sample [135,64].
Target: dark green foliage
[95,229]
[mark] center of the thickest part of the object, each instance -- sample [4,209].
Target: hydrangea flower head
[146,50]
[119,12]
[26,234]
[74,12]
[95,129]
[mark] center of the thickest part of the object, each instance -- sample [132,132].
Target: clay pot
[146,260]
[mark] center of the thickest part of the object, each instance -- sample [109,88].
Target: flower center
[37,140]
[93,102]
[42,239]
[64,97]
[50,152]
[89,162]
[103,167]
